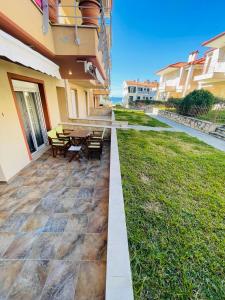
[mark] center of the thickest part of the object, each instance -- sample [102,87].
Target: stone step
[220,130]
[218,135]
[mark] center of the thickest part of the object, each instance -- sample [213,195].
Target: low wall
[118,273]
[202,125]
[100,111]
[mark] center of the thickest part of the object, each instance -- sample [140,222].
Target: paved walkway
[208,139]
[53,230]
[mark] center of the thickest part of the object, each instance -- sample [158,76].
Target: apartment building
[208,72]
[177,80]
[53,57]
[136,91]
[212,77]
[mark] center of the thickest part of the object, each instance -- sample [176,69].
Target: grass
[214,116]
[137,118]
[174,191]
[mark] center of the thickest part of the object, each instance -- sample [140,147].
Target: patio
[53,230]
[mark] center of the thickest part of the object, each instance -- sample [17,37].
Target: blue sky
[148,35]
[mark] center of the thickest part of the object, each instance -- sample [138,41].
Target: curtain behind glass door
[25,118]
[35,118]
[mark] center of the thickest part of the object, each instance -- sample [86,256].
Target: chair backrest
[52,134]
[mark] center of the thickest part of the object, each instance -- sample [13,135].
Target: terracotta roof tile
[143,84]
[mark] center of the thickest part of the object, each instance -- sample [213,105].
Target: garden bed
[173,187]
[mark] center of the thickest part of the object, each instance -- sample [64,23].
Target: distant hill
[116,100]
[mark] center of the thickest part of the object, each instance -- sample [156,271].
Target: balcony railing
[70,15]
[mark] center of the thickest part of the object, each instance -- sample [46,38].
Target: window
[132,89]
[140,89]
[131,98]
[146,98]
[138,98]
[148,90]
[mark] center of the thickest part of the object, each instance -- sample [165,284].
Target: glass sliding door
[36,122]
[26,122]
[29,104]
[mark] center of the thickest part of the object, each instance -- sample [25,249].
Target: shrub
[174,102]
[196,102]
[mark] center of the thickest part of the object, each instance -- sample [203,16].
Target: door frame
[41,86]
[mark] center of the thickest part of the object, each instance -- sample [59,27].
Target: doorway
[29,103]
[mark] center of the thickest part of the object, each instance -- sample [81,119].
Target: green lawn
[137,118]
[214,116]
[174,190]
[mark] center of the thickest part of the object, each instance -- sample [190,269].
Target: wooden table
[81,135]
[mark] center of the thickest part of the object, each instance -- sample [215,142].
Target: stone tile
[35,222]
[61,281]
[77,222]
[21,247]
[56,223]
[64,205]
[6,239]
[47,205]
[9,270]
[45,246]
[30,281]
[95,247]
[91,281]
[71,246]
[14,222]
[85,193]
[27,206]
[97,223]
[3,216]
[82,206]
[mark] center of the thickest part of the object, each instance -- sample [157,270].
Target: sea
[116,100]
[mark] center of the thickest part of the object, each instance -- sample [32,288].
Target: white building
[136,91]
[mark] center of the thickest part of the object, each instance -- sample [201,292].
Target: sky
[150,34]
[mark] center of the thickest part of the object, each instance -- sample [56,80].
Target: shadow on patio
[53,230]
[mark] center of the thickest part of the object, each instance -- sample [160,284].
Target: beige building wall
[13,152]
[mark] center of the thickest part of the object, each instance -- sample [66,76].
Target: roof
[199,61]
[214,38]
[143,84]
[177,65]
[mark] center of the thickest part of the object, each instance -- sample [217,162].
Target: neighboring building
[177,80]
[208,72]
[51,62]
[212,77]
[136,91]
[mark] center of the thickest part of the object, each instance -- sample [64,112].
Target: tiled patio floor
[53,230]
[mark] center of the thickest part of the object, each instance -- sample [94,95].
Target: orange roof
[143,84]
[177,65]
[199,61]
[214,38]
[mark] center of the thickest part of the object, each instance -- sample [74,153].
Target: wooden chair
[58,145]
[94,147]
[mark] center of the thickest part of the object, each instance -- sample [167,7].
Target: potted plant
[52,5]
[90,10]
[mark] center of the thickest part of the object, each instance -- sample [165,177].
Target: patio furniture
[94,147]
[58,145]
[98,135]
[75,152]
[79,136]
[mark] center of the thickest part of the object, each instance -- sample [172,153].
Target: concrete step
[218,135]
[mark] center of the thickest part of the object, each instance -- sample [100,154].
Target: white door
[29,103]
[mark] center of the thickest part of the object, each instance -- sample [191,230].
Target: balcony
[214,73]
[82,51]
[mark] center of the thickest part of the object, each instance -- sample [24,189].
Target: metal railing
[104,21]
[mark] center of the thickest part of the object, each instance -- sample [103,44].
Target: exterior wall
[13,152]
[29,18]
[151,95]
